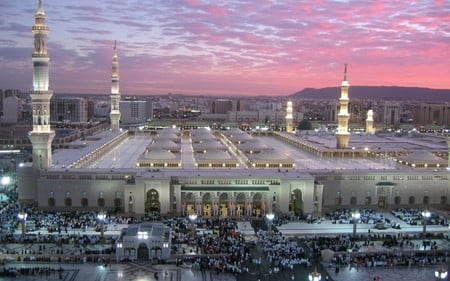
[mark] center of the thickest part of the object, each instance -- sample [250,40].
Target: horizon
[229,49]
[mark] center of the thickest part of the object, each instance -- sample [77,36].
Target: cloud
[278,47]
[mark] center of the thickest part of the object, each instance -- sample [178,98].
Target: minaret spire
[40,10]
[342,135]
[42,136]
[345,73]
[115,92]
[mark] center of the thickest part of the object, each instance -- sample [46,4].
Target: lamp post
[440,273]
[425,216]
[193,217]
[314,276]
[23,218]
[270,217]
[355,216]
[101,216]
[5,181]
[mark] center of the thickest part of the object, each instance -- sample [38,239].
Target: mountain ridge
[377,92]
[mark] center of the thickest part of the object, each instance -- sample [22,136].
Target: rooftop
[125,153]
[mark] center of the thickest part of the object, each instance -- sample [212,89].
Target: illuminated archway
[152,204]
[296,204]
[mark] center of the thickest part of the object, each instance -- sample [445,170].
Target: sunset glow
[236,47]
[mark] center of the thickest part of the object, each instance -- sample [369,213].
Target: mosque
[231,173]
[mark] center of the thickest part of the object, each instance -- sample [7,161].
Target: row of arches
[244,204]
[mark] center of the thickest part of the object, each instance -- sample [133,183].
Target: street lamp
[23,218]
[270,217]
[314,276]
[440,273]
[5,181]
[101,217]
[193,217]
[355,216]
[425,216]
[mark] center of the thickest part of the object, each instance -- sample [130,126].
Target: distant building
[68,109]
[221,106]
[135,111]
[12,108]
[8,107]
[389,113]
[331,113]
[432,113]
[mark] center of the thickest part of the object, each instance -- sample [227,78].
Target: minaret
[342,135]
[289,118]
[369,122]
[42,136]
[115,93]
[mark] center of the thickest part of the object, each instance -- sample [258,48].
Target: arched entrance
[223,205]
[207,204]
[142,252]
[240,204]
[296,202]
[190,203]
[257,205]
[382,202]
[152,204]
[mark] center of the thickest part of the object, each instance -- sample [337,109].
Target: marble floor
[384,274]
[117,272]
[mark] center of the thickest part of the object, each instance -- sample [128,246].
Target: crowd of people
[221,248]
[213,243]
[415,217]
[280,252]
[42,271]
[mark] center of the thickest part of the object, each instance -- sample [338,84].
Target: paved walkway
[385,274]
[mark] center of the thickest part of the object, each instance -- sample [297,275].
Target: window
[397,200]
[412,200]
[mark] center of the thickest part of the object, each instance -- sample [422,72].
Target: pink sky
[235,47]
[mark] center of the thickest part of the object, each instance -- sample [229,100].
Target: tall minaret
[369,122]
[115,93]
[342,135]
[42,136]
[289,118]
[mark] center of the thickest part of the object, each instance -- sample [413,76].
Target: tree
[304,125]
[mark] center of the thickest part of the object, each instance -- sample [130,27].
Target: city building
[221,106]
[12,109]
[68,110]
[133,111]
[432,114]
[388,113]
